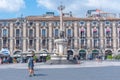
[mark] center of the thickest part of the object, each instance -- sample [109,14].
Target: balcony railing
[83,46]
[31,36]
[95,36]
[4,36]
[5,45]
[56,36]
[108,36]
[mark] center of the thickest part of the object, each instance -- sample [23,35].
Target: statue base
[57,59]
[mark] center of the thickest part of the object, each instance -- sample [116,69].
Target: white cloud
[11,5]
[79,7]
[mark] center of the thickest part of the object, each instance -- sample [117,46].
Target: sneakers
[31,75]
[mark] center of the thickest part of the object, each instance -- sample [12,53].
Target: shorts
[31,67]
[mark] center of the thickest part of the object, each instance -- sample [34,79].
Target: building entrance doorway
[82,54]
[95,54]
[69,55]
[108,54]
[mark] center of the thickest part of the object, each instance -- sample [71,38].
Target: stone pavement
[87,70]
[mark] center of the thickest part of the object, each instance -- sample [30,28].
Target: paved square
[62,72]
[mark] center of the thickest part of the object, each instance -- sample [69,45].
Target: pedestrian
[31,66]
[0,60]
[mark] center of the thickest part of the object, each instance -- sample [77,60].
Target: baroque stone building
[84,35]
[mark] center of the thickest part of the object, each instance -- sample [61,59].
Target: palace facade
[84,35]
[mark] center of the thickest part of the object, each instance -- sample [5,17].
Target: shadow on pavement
[40,74]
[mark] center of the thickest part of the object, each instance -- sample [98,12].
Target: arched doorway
[17,53]
[82,54]
[95,53]
[31,50]
[17,56]
[69,54]
[43,55]
[108,54]
[118,51]
[5,52]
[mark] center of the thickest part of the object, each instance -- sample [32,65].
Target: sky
[14,8]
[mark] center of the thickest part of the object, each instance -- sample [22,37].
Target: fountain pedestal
[60,55]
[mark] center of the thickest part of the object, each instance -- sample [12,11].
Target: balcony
[95,36]
[56,36]
[5,45]
[17,36]
[31,47]
[83,46]
[82,36]
[96,47]
[31,37]
[69,36]
[108,36]
[43,37]
[109,46]
[4,36]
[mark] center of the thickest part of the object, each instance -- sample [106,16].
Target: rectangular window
[69,23]
[17,42]
[5,24]
[83,43]
[69,32]
[5,32]
[109,42]
[43,32]
[43,42]
[82,34]
[31,32]
[56,33]
[17,32]
[30,42]
[55,24]
[43,23]
[4,41]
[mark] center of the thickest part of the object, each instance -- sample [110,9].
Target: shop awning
[5,52]
[43,53]
[82,51]
[95,51]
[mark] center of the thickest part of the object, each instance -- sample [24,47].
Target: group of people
[6,60]
[31,61]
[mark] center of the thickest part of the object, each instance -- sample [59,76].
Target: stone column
[75,35]
[88,35]
[24,37]
[11,38]
[101,35]
[114,36]
[37,37]
[50,37]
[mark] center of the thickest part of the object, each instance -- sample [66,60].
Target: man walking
[31,66]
